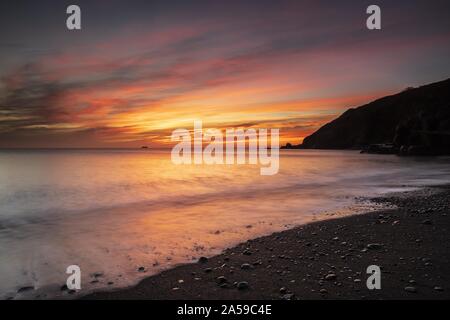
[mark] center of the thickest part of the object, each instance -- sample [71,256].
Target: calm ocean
[114,211]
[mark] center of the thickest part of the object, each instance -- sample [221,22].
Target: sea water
[112,212]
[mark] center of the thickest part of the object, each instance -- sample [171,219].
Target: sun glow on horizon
[133,83]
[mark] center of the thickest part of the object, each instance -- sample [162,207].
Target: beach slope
[325,260]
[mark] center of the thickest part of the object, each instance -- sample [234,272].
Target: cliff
[416,120]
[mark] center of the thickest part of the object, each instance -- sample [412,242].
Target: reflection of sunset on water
[114,211]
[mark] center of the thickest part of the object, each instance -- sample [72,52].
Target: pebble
[411,289]
[374,246]
[438,289]
[330,277]
[203,259]
[221,280]
[99,274]
[24,289]
[246,266]
[288,296]
[243,285]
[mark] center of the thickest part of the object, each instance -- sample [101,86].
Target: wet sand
[325,260]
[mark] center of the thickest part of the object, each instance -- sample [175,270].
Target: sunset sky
[139,69]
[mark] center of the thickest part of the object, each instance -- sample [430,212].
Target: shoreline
[324,260]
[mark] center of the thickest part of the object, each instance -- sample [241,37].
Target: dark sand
[413,252]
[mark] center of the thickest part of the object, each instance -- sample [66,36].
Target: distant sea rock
[415,121]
